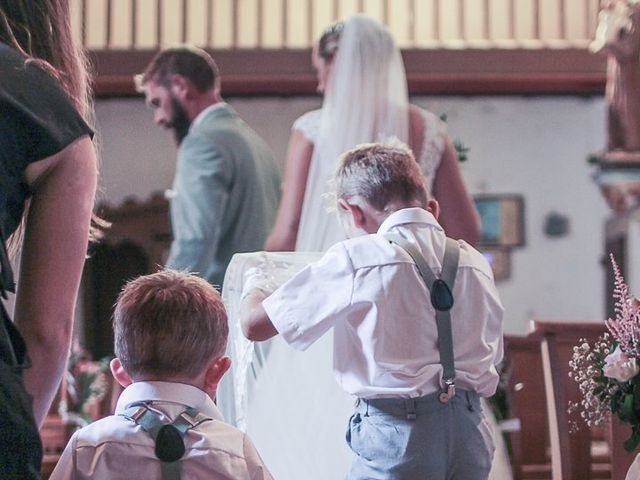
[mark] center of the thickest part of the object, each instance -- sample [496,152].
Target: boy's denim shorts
[420,438]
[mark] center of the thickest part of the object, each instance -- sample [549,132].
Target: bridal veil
[365,101]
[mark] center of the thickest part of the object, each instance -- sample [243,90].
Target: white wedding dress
[288,401]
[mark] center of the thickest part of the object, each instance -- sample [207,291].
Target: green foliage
[87,383]
[461,148]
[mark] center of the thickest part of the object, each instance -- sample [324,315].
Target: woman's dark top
[37,120]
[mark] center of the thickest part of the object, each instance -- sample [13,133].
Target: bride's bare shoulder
[416,116]
[416,129]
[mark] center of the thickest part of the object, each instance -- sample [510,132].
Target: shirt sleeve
[201,190]
[65,468]
[308,124]
[314,300]
[255,466]
[35,112]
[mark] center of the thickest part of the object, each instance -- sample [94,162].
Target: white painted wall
[537,147]
[534,146]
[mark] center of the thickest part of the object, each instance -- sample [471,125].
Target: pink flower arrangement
[607,371]
[619,366]
[87,384]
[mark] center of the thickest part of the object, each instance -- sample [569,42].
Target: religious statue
[618,36]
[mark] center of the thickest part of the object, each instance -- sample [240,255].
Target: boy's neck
[394,206]
[198,383]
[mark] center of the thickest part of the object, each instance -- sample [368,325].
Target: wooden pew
[54,433]
[526,398]
[617,432]
[571,454]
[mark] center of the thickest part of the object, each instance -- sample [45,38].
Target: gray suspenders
[168,436]
[442,300]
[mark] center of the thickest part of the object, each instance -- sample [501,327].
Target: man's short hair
[169,324]
[190,62]
[380,174]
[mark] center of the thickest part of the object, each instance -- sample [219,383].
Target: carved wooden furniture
[543,447]
[572,454]
[135,244]
[54,433]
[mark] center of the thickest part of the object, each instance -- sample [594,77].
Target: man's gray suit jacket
[225,194]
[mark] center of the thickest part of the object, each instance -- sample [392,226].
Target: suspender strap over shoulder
[167,436]
[441,291]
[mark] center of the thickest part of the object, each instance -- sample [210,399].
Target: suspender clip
[139,412]
[450,392]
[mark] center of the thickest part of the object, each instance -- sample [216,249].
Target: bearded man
[227,184]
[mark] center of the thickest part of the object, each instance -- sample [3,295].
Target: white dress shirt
[385,333]
[116,448]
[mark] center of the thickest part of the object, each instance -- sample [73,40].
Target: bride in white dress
[361,74]
[288,401]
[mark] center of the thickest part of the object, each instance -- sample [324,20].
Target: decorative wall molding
[282,72]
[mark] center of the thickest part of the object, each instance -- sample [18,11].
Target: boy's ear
[216,369]
[119,373]
[357,213]
[433,207]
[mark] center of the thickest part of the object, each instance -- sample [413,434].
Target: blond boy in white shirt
[418,416]
[170,332]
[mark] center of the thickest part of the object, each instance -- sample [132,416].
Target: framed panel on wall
[500,261]
[501,220]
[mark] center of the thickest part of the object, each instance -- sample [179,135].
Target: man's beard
[180,123]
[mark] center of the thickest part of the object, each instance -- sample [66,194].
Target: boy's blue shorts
[421,438]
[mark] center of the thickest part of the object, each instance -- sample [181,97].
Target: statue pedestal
[619,158]
[617,174]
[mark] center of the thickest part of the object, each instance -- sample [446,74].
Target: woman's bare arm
[458,215]
[53,254]
[284,233]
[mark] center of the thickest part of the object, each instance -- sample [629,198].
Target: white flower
[620,367]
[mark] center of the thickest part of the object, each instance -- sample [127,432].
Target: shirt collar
[408,215]
[173,392]
[200,117]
